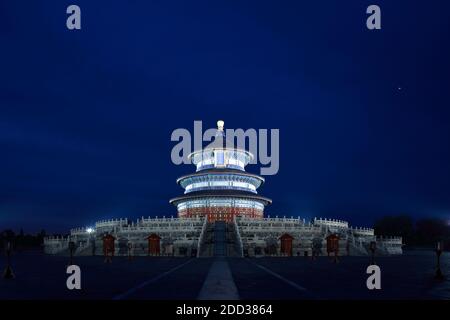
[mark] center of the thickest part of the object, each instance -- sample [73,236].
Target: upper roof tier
[220,153]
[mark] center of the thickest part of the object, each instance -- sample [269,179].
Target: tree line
[20,240]
[422,232]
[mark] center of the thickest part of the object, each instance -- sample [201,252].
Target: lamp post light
[373,248]
[130,248]
[439,249]
[8,274]
[316,248]
[94,248]
[71,250]
[91,234]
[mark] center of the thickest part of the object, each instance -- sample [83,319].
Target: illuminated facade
[220,189]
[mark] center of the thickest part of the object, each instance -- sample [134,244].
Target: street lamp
[130,248]
[91,238]
[373,248]
[8,274]
[71,250]
[439,249]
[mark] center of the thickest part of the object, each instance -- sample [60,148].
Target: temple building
[220,189]
[222,214]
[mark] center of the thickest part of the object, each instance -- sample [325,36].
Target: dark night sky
[86,116]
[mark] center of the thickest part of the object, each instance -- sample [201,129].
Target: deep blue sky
[86,116]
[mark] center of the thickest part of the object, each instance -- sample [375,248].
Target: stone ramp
[219,284]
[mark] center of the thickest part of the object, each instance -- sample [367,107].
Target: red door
[333,244]
[108,245]
[286,244]
[154,244]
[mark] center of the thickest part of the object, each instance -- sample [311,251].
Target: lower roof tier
[224,194]
[224,202]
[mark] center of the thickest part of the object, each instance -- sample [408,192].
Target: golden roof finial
[220,125]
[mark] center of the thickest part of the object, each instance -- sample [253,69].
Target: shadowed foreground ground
[403,277]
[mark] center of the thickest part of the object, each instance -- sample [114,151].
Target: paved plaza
[409,276]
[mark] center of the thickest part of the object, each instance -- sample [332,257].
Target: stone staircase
[357,250]
[219,240]
[207,241]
